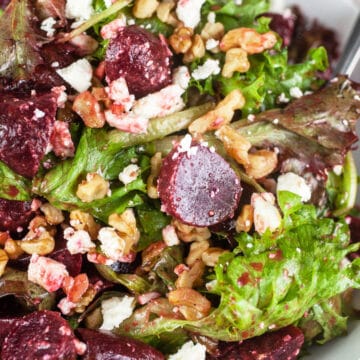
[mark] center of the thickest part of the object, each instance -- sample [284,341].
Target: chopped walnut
[249,40]
[94,187]
[221,115]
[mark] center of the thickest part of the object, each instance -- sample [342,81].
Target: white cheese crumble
[189,12]
[296,92]
[266,214]
[80,11]
[47,25]
[129,174]
[78,241]
[211,18]
[78,74]
[112,244]
[169,236]
[115,310]
[211,44]
[46,272]
[210,67]
[283,99]
[181,77]
[190,351]
[294,183]
[38,113]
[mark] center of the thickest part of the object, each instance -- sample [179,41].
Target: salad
[176,181]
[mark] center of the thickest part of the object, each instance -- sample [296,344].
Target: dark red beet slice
[141,58]
[73,263]
[6,325]
[284,344]
[14,215]
[107,346]
[198,187]
[40,335]
[25,128]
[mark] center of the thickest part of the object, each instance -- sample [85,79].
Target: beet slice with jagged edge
[197,186]
[25,128]
[40,335]
[106,346]
[140,57]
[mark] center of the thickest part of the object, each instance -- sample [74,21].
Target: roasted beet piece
[4,4]
[73,263]
[107,346]
[6,325]
[284,25]
[197,186]
[40,335]
[14,215]
[141,58]
[25,128]
[284,344]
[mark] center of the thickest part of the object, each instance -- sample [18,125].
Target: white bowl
[341,15]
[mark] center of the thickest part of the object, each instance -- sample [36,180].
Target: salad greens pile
[295,275]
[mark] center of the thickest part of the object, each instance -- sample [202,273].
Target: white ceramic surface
[341,15]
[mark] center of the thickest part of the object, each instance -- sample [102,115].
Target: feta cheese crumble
[210,67]
[112,245]
[78,241]
[80,11]
[190,351]
[78,74]
[294,183]
[47,25]
[181,77]
[129,174]
[266,214]
[115,310]
[189,12]
[46,272]
[296,92]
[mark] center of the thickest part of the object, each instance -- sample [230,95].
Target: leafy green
[151,221]
[273,282]
[108,152]
[232,15]
[342,188]
[32,296]
[270,75]
[18,42]
[324,321]
[12,185]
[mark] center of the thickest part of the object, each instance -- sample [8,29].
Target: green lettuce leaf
[13,186]
[270,75]
[232,15]
[264,287]
[324,321]
[108,152]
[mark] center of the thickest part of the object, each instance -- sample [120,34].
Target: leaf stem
[117,6]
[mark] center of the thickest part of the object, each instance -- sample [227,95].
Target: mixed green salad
[174,179]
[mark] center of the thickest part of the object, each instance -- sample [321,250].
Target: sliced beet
[284,344]
[107,346]
[25,128]
[198,187]
[6,325]
[141,58]
[40,335]
[14,215]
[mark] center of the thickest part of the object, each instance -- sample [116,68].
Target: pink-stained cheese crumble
[46,272]
[110,30]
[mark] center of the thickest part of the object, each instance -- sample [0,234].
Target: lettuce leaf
[270,76]
[108,152]
[270,281]
[13,186]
